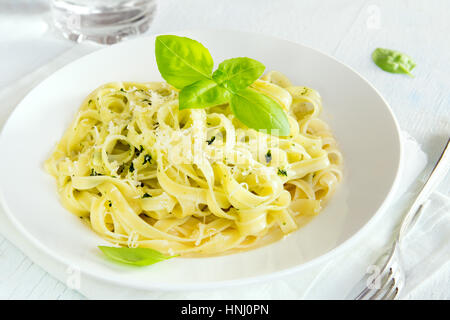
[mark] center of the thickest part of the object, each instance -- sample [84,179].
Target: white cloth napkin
[425,251]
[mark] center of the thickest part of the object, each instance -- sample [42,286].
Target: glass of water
[102,21]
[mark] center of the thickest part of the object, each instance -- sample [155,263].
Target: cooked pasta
[197,181]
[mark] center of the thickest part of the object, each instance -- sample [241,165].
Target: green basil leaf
[134,256]
[238,73]
[393,61]
[259,112]
[182,61]
[202,94]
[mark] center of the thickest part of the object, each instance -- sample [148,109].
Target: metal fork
[391,278]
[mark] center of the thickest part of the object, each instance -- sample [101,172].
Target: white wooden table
[347,29]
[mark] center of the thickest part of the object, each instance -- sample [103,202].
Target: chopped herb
[120,169]
[211,140]
[282,172]
[137,151]
[147,158]
[90,101]
[305,91]
[268,156]
[109,203]
[94,173]
[141,185]
[131,167]
[156,125]
[146,195]
[122,89]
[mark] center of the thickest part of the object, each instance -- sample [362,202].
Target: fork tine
[398,281]
[398,278]
[394,294]
[363,294]
[388,284]
[369,293]
[387,292]
[391,270]
[393,285]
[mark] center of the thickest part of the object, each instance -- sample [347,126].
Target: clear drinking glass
[102,21]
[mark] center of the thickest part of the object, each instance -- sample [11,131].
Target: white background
[347,29]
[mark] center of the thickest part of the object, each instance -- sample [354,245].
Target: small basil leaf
[238,73]
[182,61]
[259,112]
[202,94]
[393,61]
[134,256]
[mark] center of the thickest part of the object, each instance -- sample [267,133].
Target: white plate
[362,121]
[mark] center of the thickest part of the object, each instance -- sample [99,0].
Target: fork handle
[437,175]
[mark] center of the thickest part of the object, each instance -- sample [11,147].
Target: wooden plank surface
[349,30]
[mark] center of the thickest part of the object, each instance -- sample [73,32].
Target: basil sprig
[134,256]
[393,61]
[187,65]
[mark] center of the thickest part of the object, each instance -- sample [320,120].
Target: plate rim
[222,283]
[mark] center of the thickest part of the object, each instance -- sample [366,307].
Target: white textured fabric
[425,250]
